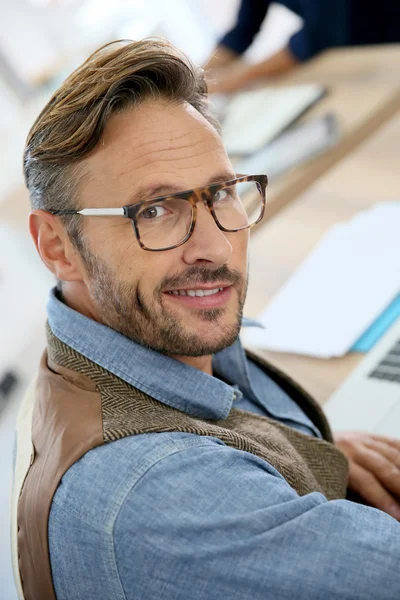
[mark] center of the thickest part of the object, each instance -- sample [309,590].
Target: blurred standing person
[326,25]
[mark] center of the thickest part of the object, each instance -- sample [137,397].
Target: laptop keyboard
[389,367]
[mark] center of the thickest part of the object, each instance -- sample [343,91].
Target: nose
[207,242]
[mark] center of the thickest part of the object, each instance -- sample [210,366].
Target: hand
[374,468]
[240,75]
[228,79]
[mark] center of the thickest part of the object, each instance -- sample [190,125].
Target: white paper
[254,118]
[340,289]
[293,147]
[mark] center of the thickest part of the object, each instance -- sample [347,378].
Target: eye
[153,212]
[221,195]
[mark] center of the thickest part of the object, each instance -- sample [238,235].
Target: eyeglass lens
[166,223]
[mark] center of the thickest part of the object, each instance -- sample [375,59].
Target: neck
[203,363]
[76,296]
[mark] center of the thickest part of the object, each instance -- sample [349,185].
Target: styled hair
[118,76]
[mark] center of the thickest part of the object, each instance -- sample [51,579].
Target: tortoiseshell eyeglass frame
[204,194]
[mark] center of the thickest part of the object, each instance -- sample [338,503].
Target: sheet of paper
[348,280]
[254,118]
[293,147]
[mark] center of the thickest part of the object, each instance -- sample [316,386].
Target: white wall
[25,39]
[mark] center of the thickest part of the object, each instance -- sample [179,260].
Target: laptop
[369,399]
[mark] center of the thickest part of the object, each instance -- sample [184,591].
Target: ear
[54,246]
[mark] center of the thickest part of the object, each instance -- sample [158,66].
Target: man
[165,461]
[326,25]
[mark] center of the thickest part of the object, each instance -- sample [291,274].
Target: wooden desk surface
[363,91]
[356,64]
[369,175]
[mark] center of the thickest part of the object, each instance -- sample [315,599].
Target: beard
[146,320]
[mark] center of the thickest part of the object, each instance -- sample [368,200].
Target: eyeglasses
[168,222]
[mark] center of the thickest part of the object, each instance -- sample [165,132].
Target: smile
[202,298]
[195,292]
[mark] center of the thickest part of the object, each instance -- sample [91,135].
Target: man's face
[153,150]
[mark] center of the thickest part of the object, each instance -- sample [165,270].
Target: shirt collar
[161,377]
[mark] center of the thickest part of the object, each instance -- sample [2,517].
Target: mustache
[201,275]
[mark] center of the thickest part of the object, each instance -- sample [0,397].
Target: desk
[363,91]
[369,175]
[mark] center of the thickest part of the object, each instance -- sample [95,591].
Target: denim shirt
[176,516]
[175,383]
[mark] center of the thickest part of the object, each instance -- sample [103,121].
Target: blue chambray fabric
[173,382]
[176,516]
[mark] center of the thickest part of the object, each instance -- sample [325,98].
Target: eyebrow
[163,189]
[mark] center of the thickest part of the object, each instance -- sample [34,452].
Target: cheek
[240,245]
[110,238]
[116,248]
[147,270]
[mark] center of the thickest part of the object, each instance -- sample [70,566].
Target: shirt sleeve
[211,522]
[250,17]
[326,25]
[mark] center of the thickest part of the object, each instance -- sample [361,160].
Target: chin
[213,337]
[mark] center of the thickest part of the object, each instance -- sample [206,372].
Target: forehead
[156,142]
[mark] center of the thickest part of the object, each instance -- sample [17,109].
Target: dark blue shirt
[327,24]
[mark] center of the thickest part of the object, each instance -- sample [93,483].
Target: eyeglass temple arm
[94,212]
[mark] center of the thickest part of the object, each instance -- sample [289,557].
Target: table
[363,91]
[371,174]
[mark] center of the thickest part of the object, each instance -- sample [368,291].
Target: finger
[385,449]
[369,488]
[395,442]
[382,468]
